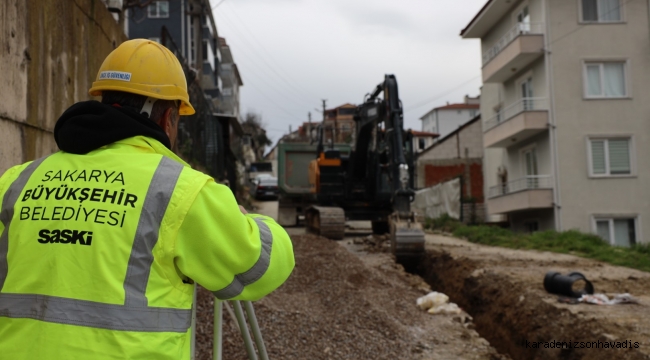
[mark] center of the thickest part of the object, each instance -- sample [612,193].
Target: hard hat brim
[153,91]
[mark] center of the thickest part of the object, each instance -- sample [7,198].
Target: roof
[458,106]
[453,133]
[424,134]
[489,16]
[346,105]
[462,32]
[461,106]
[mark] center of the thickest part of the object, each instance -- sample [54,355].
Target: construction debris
[437,303]
[602,299]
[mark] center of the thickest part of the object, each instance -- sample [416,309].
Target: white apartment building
[446,119]
[566,109]
[231,80]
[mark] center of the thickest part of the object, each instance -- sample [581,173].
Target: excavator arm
[376,179]
[407,236]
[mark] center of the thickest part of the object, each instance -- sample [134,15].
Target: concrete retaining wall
[51,51]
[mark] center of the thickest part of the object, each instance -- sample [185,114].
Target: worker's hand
[243,211]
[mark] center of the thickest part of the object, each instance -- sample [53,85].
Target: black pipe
[556,283]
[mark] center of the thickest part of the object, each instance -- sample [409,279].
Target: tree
[253,126]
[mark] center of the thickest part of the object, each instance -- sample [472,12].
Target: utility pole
[324,117]
[324,106]
[309,128]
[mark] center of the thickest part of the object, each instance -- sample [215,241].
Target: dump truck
[296,194]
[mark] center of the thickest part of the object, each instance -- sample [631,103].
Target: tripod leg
[243,327]
[255,328]
[193,341]
[217,342]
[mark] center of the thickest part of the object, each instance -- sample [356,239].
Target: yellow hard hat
[144,67]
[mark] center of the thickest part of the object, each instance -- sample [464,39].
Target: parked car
[265,187]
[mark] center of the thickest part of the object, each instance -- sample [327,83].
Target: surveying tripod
[245,317]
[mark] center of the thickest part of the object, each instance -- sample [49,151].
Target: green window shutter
[598,157]
[619,157]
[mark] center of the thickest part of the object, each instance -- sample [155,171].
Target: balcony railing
[525,104]
[519,29]
[530,182]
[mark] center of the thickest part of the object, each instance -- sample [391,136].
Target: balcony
[227,75]
[527,193]
[519,47]
[516,123]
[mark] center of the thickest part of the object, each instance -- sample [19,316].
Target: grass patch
[567,242]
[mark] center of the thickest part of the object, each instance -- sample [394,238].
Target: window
[346,111]
[531,226]
[523,19]
[601,11]
[158,9]
[527,94]
[208,53]
[605,79]
[529,159]
[617,231]
[610,157]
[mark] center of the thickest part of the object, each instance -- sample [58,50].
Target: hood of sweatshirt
[89,125]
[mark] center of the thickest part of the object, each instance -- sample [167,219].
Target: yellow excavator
[374,182]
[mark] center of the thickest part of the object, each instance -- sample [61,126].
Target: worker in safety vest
[102,241]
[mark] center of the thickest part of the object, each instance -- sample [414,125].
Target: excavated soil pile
[336,306]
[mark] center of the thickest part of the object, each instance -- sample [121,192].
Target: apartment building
[460,153]
[230,79]
[443,120]
[566,114]
[339,123]
[186,23]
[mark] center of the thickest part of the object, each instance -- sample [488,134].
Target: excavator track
[407,239]
[327,221]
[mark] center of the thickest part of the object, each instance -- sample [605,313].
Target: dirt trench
[339,304]
[503,290]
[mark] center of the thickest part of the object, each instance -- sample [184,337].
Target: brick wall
[437,173]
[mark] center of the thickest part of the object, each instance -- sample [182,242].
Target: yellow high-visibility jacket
[98,253]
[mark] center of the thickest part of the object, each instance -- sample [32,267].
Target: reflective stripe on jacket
[98,253]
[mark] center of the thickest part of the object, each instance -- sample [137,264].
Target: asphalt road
[268,208]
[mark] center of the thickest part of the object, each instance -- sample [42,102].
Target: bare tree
[254,127]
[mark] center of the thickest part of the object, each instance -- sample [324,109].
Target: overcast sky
[293,53]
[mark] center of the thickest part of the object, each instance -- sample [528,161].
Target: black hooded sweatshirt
[89,125]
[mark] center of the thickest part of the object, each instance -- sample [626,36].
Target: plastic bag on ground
[447,309]
[602,299]
[431,300]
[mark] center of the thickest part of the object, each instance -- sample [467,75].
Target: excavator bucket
[407,239]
